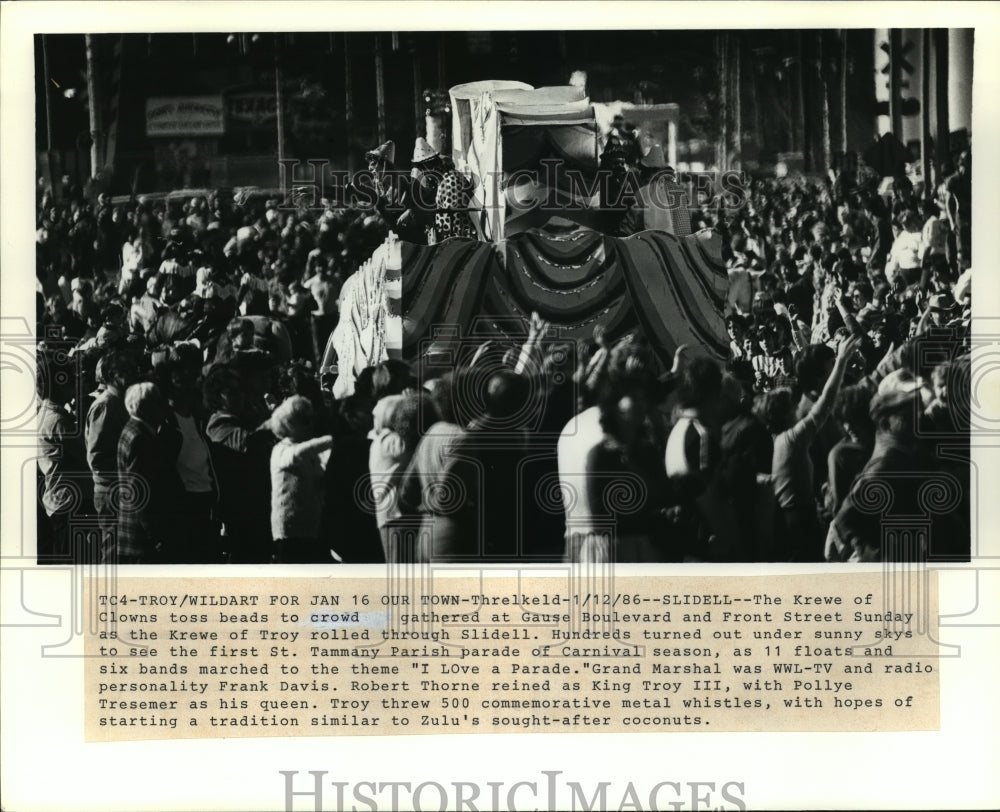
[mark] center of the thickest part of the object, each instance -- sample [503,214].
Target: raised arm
[799,338]
[824,403]
[925,320]
[315,446]
[849,320]
[530,350]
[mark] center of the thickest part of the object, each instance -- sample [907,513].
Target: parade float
[532,156]
[370,328]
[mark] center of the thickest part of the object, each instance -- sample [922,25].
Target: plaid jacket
[105,420]
[149,491]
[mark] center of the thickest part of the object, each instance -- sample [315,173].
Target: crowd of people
[181,403]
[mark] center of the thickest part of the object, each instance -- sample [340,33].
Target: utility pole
[380,87]
[824,92]
[419,126]
[895,96]
[737,105]
[842,100]
[807,135]
[279,96]
[793,131]
[48,94]
[94,105]
[942,146]
[348,104]
[925,113]
[758,126]
[722,149]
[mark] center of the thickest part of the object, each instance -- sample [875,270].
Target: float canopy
[500,127]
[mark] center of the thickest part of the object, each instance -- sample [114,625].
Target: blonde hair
[292,418]
[138,397]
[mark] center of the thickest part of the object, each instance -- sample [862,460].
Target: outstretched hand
[483,348]
[537,325]
[848,347]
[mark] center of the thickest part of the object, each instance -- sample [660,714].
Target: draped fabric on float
[462,97]
[503,127]
[369,329]
[672,288]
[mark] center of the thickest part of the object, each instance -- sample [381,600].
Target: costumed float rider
[390,188]
[661,203]
[440,195]
[620,157]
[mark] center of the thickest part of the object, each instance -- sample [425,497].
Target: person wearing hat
[943,309]
[619,161]
[382,165]
[382,158]
[619,158]
[379,186]
[425,157]
[452,216]
[621,147]
[856,531]
[417,222]
[439,204]
[661,203]
[653,168]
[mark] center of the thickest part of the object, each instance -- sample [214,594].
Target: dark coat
[150,491]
